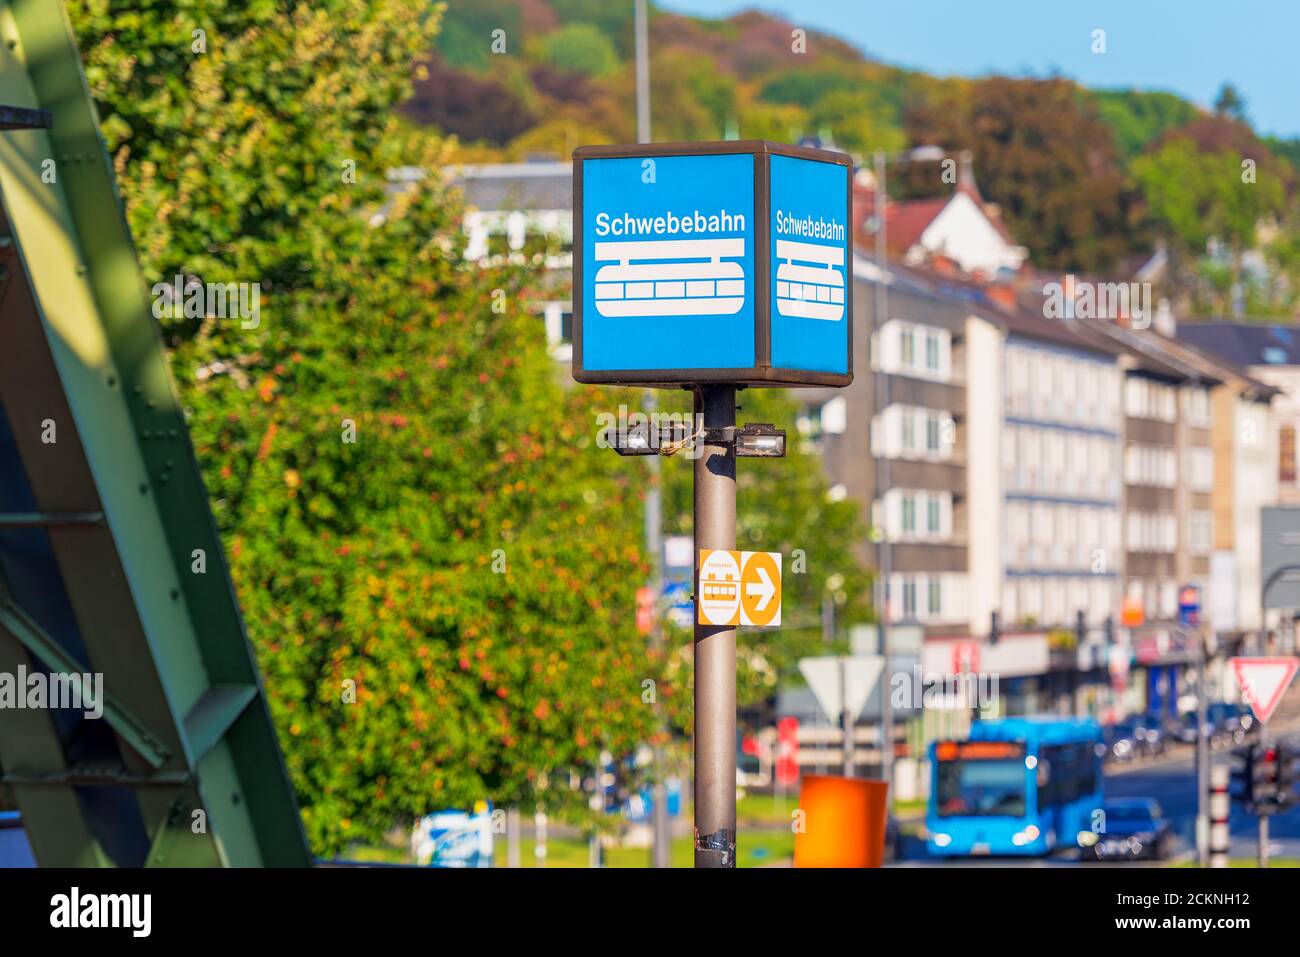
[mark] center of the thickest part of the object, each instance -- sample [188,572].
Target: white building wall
[963,233]
[1255,486]
[983,471]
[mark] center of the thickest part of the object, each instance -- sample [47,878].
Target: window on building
[934,597]
[909,513]
[933,523]
[909,598]
[907,347]
[932,352]
[1200,469]
[1200,532]
[909,430]
[932,433]
[833,416]
[1197,404]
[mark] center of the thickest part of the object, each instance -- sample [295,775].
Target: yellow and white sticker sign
[739,588]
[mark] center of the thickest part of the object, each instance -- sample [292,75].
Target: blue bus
[1016,786]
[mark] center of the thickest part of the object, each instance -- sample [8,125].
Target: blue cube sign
[712,262]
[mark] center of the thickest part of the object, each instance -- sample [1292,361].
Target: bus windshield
[981,786]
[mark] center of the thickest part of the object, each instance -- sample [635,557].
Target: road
[1173,784]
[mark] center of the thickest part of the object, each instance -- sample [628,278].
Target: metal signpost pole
[654,549]
[648,313]
[1263,817]
[715,646]
[653,525]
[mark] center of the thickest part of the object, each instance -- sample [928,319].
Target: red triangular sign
[1263,680]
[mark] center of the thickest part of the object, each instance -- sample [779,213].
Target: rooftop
[1246,343]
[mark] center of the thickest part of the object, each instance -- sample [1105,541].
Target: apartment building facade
[901,423]
[1061,496]
[1246,416]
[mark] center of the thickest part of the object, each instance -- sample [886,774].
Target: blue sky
[1188,47]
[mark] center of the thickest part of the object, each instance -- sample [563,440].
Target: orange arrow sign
[739,588]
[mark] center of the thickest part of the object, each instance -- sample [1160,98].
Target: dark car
[1150,734]
[1135,736]
[1229,723]
[1120,740]
[1183,728]
[1130,829]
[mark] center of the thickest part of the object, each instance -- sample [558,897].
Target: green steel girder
[46,650]
[120,498]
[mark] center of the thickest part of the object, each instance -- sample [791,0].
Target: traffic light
[1080,628]
[1242,784]
[1264,787]
[995,626]
[1110,630]
[1287,756]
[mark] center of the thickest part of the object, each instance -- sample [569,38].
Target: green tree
[1045,157]
[465,37]
[805,87]
[858,121]
[1194,196]
[580,47]
[1136,117]
[1230,103]
[436,567]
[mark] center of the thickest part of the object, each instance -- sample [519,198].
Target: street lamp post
[653,514]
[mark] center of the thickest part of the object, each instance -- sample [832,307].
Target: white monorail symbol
[690,277]
[810,292]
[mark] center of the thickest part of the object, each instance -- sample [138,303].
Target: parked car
[1129,829]
[1183,728]
[1134,736]
[1121,741]
[1150,734]
[1229,723]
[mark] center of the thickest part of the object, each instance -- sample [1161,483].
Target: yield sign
[1262,682]
[831,677]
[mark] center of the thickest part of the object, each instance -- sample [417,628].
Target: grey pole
[1202,755]
[885,562]
[660,856]
[715,647]
[642,73]
[1263,818]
